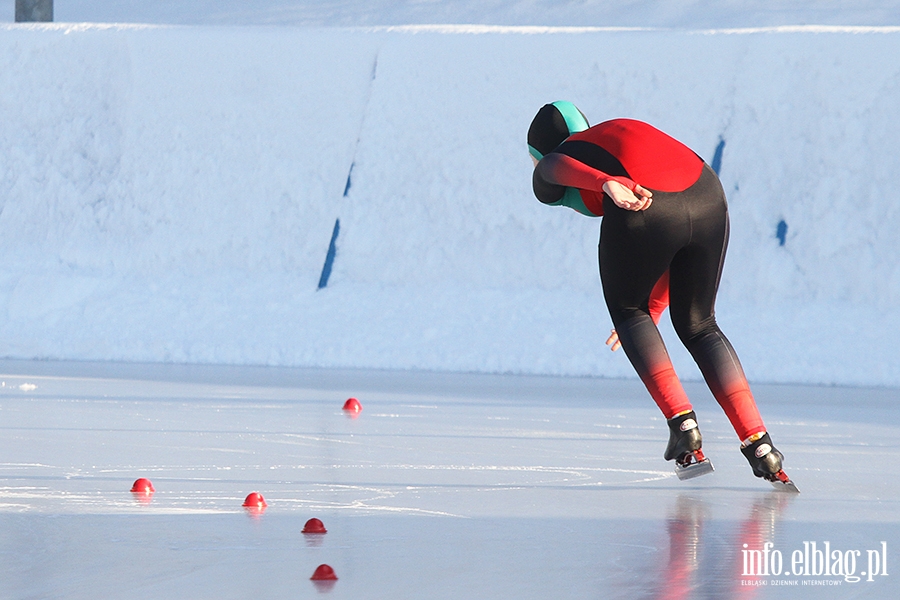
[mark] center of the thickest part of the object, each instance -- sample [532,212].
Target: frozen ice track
[445,486]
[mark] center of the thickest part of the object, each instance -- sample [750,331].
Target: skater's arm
[560,169]
[557,169]
[585,202]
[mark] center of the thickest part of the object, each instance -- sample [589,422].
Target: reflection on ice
[702,566]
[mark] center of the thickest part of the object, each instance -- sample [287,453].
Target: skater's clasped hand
[639,199]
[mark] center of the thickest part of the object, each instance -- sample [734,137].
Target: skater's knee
[622,315]
[692,329]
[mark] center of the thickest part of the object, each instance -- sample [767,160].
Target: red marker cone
[324,573]
[314,526]
[255,501]
[142,486]
[352,407]
[142,490]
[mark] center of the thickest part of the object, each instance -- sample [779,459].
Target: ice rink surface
[444,486]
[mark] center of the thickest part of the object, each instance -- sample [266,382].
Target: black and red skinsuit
[674,248]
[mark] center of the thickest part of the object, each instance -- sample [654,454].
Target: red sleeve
[659,298]
[560,169]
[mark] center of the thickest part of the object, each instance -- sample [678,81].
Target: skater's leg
[693,283]
[634,253]
[719,364]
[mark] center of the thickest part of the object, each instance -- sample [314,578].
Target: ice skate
[684,447]
[766,461]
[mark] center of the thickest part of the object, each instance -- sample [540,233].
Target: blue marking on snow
[717,156]
[349,174]
[353,164]
[781,232]
[329,257]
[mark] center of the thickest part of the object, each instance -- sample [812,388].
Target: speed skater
[662,243]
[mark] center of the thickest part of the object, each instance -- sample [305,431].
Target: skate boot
[684,447]
[765,460]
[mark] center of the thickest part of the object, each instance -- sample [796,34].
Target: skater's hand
[639,199]
[613,341]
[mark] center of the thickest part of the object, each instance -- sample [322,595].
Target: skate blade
[784,484]
[694,469]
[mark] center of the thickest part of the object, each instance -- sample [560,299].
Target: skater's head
[552,125]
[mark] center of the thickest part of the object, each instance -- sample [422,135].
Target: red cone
[142,486]
[255,501]
[324,573]
[314,526]
[352,406]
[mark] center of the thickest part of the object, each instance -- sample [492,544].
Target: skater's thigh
[635,250]
[696,270]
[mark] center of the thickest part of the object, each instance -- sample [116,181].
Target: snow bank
[170,194]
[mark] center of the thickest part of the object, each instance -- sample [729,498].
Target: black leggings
[685,233]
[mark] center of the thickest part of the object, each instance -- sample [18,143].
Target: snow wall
[180,194]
